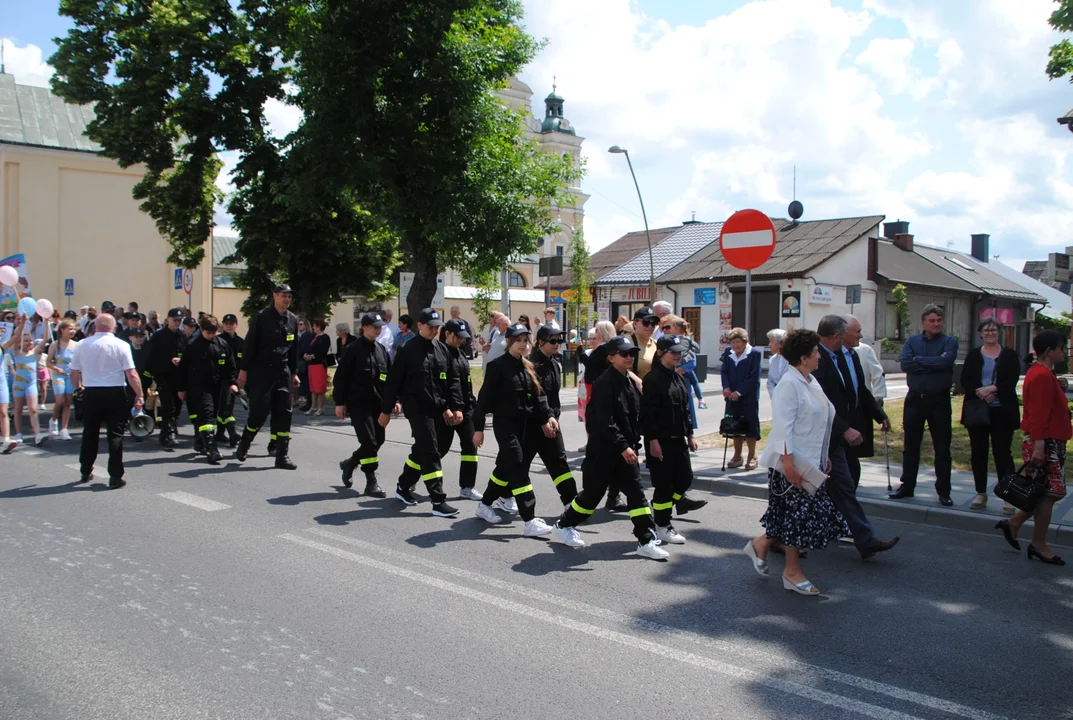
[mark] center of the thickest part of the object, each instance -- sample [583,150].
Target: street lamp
[617,149]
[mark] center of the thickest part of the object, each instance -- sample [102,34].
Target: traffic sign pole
[748,300]
[747,240]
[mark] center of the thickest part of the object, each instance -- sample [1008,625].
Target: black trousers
[467,472]
[1000,435]
[168,403]
[671,477]
[854,464]
[935,411]
[103,406]
[201,404]
[511,475]
[269,392]
[225,407]
[424,460]
[597,470]
[370,438]
[552,453]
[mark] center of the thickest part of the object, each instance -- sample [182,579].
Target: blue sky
[934,112]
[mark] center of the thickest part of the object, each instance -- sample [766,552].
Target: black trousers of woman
[1000,435]
[511,475]
[552,452]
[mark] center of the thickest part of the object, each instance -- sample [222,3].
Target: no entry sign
[747,239]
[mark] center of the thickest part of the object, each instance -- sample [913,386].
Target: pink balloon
[9,276]
[44,308]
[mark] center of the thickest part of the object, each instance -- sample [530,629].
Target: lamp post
[617,149]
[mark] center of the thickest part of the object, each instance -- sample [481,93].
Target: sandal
[751,465]
[979,503]
[801,588]
[735,463]
[759,565]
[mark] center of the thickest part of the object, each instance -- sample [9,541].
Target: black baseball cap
[372,318]
[458,327]
[547,332]
[229,317]
[644,313]
[71,314]
[517,330]
[175,313]
[430,317]
[134,332]
[190,322]
[621,344]
[283,288]
[671,343]
[107,306]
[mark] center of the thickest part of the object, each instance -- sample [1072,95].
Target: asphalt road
[247,592]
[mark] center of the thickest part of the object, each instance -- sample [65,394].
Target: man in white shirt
[102,366]
[388,332]
[498,339]
[662,308]
[549,319]
[874,376]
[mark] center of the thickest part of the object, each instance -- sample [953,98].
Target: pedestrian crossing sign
[178,278]
[69,287]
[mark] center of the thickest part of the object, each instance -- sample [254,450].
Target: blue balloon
[27,306]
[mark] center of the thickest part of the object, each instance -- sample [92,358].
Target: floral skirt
[1053,471]
[797,519]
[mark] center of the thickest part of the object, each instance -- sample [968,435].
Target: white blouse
[801,421]
[777,367]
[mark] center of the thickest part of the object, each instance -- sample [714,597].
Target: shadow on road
[31,491]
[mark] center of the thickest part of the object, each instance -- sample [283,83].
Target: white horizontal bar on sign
[752,238]
[194,501]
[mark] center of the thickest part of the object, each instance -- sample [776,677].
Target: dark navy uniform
[207,368]
[552,451]
[467,473]
[359,387]
[270,359]
[164,346]
[225,406]
[665,417]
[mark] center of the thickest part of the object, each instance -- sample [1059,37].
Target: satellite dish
[796,210]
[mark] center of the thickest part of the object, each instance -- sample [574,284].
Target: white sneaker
[40,438]
[53,427]
[470,494]
[536,528]
[64,435]
[18,438]
[669,535]
[652,550]
[567,536]
[507,505]
[7,446]
[487,514]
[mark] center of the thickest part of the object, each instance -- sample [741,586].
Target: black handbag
[1021,490]
[976,413]
[733,424]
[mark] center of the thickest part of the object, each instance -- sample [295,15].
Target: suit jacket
[848,412]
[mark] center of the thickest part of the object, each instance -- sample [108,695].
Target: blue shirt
[929,364]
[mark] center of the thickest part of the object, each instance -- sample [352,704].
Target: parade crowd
[639,401]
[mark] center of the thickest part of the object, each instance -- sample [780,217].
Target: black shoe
[1004,526]
[86,477]
[687,504]
[901,493]
[373,489]
[215,457]
[271,447]
[244,445]
[615,503]
[945,501]
[405,495]
[116,483]
[199,444]
[232,437]
[285,463]
[169,441]
[1052,560]
[348,472]
[879,546]
[445,510]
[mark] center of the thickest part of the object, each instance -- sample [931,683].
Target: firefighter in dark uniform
[512,393]
[552,451]
[424,380]
[269,371]
[165,350]
[206,371]
[613,421]
[455,335]
[668,432]
[225,408]
[358,390]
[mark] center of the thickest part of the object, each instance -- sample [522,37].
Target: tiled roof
[34,116]
[671,252]
[1035,268]
[977,274]
[901,266]
[798,248]
[1057,301]
[222,247]
[610,257]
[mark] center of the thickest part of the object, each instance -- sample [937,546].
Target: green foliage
[1061,54]
[1043,322]
[579,306]
[484,299]
[901,306]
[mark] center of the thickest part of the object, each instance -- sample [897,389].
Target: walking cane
[886,451]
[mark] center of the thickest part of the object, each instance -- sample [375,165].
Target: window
[559,250]
[516,279]
[893,325]
[960,264]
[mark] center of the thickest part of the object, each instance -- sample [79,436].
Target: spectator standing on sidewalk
[874,375]
[778,365]
[865,409]
[928,361]
[741,390]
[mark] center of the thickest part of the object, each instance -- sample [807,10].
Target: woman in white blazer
[800,514]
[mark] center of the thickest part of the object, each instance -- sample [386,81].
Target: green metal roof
[35,117]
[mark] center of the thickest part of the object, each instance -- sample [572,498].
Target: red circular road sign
[747,239]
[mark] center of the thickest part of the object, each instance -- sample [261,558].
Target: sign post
[853,296]
[747,241]
[69,290]
[550,266]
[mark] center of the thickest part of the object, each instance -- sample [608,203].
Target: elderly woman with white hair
[777,365]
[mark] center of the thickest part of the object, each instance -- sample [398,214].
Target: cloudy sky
[939,113]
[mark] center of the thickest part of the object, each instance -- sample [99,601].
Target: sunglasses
[554,342]
[650,323]
[626,354]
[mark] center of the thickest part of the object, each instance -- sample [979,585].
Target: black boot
[283,462]
[167,435]
[232,434]
[347,466]
[221,434]
[272,446]
[244,445]
[372,488]
[199,443]
[208,441]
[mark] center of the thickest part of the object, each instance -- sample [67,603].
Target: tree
[1061,62]
[401,94]
[579,306]
[901,307]
[486,283]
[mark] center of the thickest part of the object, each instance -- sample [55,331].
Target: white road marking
[856,707]
[770,661]
[749,238]
[194,501]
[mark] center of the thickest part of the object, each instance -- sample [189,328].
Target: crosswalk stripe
[194,501]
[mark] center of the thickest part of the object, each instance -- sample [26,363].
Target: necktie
[847,379]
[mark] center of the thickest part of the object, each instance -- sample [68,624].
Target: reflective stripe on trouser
[370,438]
[201,402]
[671,477]
[425,455]
[269,392]
[467,470]
[596,473]
[511,476]
[225,410]
[552,453]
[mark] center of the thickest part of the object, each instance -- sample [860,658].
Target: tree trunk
[423,265]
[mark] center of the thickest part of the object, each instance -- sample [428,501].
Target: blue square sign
[69,287]
[178,278]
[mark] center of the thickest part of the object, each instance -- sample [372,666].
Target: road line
[780,661]
[856,707]
[194,501]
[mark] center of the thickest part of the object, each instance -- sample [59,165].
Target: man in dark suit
[838,385]
[867,409]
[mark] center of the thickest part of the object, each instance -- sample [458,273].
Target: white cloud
[26,63]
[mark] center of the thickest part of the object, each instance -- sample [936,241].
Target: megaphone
[141,425]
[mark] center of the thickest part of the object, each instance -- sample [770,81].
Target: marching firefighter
[551,449]
[424,380]
[165,350]
[614,425]
[455,336]
[269,372]
[358,390]
[225,417]
[668,432]
[512,393]
[206,371]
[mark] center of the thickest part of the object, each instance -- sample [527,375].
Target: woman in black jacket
[989,379]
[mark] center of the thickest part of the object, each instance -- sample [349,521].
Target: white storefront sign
[821,295]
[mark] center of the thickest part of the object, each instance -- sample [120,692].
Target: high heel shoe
[1004,526]
[1052,560]
[801,588]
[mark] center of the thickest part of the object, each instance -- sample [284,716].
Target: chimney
[981,246]
[904,241]
[891,230]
